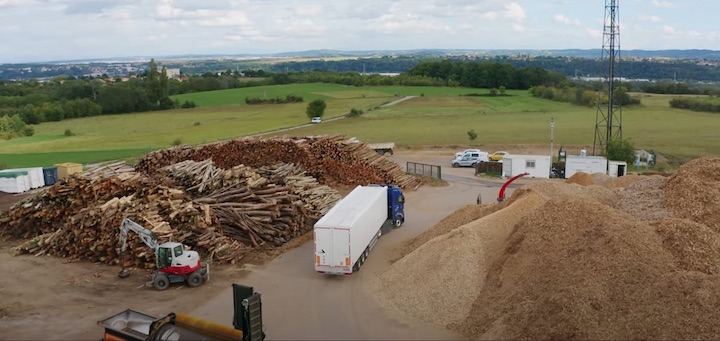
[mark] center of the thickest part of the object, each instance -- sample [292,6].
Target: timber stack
[330,159]
[224,214]
[223,200]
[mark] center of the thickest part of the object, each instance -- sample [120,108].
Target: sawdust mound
[462,216]
[576,269]
[626,180]
[437,283]
[556,189]
[643,199]
[694,192]
[601,179]
[695,246]
[580,178]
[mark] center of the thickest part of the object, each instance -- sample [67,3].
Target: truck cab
[396,205]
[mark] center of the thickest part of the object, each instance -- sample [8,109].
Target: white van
[470,159]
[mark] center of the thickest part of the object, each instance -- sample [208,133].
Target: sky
[47,30]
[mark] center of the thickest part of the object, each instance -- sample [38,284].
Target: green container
[12,173]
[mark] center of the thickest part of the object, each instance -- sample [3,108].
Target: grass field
[437,116]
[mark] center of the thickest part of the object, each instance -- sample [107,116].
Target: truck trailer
[345,235]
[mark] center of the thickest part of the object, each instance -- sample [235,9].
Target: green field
[438,116]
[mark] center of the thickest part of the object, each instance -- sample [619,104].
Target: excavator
[175,263]
[131,325]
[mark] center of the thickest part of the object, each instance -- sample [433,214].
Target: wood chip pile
[565,261]
[694,192]
[330,159]
[223,213]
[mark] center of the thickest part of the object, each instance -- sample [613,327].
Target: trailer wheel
[161,282]
[397,222]
[195,279]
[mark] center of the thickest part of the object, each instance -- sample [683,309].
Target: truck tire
[455,164]
[161,282]
[195,279]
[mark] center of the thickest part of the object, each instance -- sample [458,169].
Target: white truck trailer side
[347,232]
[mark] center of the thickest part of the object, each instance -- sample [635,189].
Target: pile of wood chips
[565,261]
[223,213]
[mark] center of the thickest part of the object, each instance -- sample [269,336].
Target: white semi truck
[345,235]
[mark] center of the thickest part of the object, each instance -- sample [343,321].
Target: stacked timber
[329,159]
[224,199]
[80,218]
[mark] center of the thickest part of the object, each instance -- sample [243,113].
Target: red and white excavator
[175,263]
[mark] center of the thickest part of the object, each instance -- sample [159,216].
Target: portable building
[537,166]
[617,168]
[585,164]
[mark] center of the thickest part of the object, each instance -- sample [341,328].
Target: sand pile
[571,261]
[445,272]
[694,192]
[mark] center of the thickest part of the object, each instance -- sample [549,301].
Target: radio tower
[608,121]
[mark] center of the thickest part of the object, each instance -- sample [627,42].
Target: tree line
[34,102]
[696,104]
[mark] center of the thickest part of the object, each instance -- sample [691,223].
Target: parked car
[497,156]
[470,159]
[459,154]
[316,119]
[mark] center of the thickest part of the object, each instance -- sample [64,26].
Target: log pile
[224,199]
[80,218]
[330,159]
[223,214]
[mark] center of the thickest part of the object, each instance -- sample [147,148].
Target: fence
[433,171]
[489,168]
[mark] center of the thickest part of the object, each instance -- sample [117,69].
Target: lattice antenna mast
[608,120]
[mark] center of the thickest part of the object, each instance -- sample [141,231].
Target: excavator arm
[145,235]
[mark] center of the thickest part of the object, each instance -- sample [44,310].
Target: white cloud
[594,33]
[565,20]
[514,11]
[70,29]
[664,4]
[650,18]
[14,3]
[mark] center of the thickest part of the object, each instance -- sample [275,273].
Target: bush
[188,104]
[69,132]
[472,135]
[620,150]
[355,112]
[177,142]
[316,108]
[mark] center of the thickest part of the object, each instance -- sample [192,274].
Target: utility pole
[552,126]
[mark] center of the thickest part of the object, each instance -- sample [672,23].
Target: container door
[341,248]
[323,247]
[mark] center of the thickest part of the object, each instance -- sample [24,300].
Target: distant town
[676,65]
